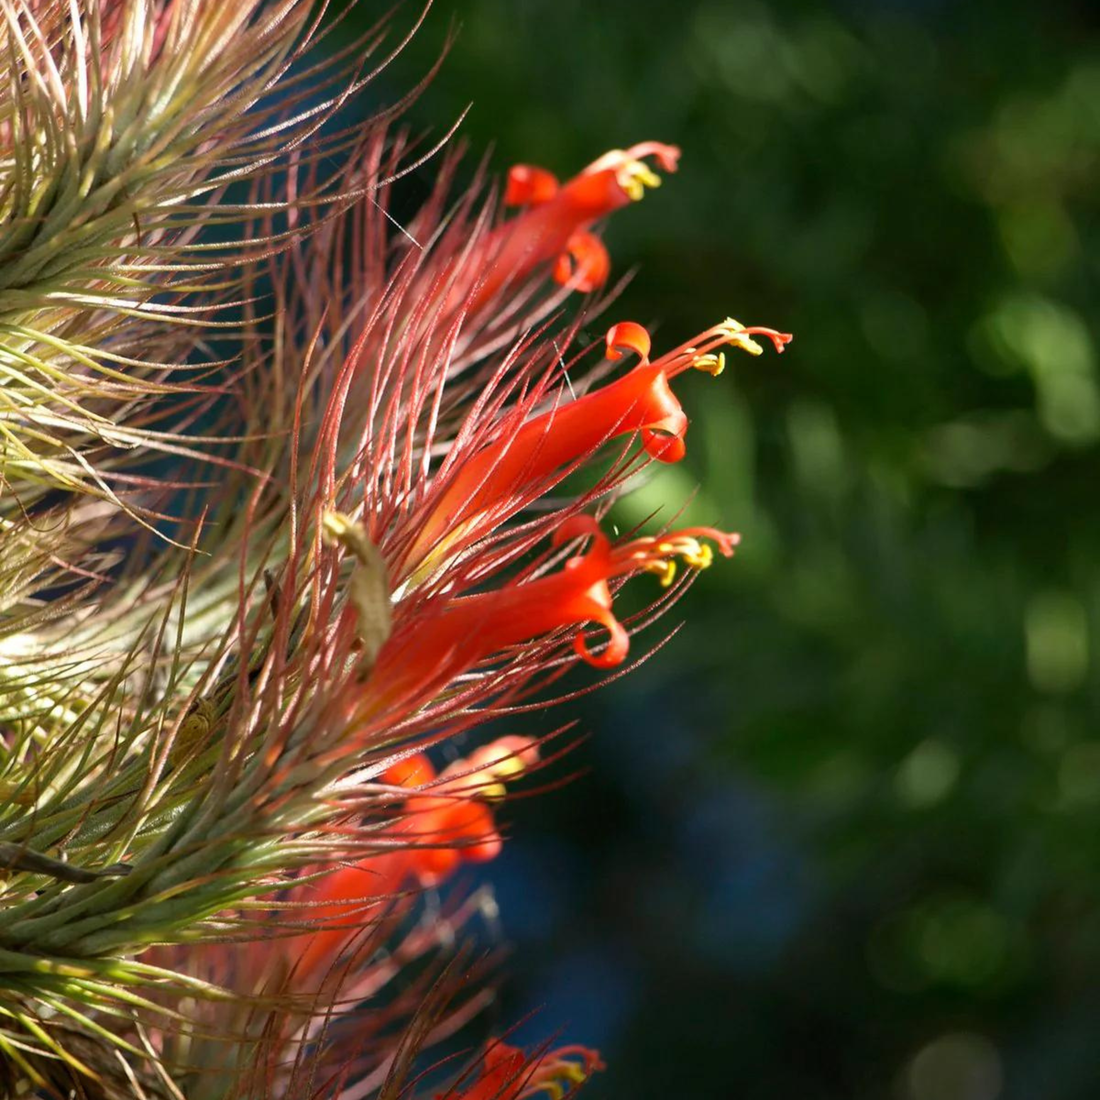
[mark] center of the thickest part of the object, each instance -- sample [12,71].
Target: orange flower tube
[501,477]
[430,652]
[555,226]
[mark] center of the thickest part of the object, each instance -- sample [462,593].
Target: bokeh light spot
[959,1066]
[1056,633]
[1052,344]
[927,774]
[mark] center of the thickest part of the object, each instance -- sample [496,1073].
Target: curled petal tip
[628,336]
[618,645]
[667,447]
[584,265]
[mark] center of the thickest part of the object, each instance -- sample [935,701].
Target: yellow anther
[746,343]
[700,558]
[736,337]
[492,792]
[712,364]
[659,556]
[635,176]
[571,1072]
[507,766]
[664,570]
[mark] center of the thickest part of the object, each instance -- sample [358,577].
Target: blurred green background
[840,839]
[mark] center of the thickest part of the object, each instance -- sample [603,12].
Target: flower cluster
[230,677]
[446,820]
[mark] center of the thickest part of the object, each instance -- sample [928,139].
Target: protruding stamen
[740,336]
[634,177]
[667,156]
[658,556]
[489,767]
[701,559]
[710,363]
[663,569]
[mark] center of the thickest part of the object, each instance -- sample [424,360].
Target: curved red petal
[663,446]
[628,336]
[617,647]
[585,263]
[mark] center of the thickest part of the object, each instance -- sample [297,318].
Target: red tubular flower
[431,652]
[503,476]
[555,225]
[446,821]
[508,1073]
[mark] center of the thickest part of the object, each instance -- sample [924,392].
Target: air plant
[266,489]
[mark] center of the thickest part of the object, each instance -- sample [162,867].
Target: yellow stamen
[634,177]
[735,336]
[507,766]
[703,558]
[663,570]
[712,364]
[572,1073]
[696,554]
[492,792]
